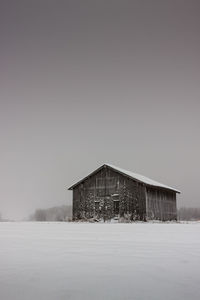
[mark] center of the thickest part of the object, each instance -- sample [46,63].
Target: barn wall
[98,195]
[161,204]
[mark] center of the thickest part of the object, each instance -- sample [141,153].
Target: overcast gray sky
[88,82]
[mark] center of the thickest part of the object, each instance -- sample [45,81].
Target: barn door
[115,198]
[116,207]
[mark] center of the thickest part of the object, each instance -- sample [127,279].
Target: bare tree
[59,213]
[189,214]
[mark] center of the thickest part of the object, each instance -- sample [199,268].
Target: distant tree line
[189,214]
[3,219]
[64,213]
[58,213]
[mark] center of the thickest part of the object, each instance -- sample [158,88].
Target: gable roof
[131,175]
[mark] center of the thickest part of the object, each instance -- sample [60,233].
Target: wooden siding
[96,197]
[161,204]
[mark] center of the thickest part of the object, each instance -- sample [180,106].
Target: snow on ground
[75,261]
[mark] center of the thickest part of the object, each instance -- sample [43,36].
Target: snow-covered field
[99,261]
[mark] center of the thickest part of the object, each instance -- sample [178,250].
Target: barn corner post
[146,205]
[105,189]
[175,208]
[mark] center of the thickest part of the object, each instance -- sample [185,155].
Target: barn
[110,193]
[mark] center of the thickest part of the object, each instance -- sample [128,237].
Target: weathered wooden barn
[113,193]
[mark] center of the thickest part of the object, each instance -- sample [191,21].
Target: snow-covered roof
[142,178]
[132,175]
